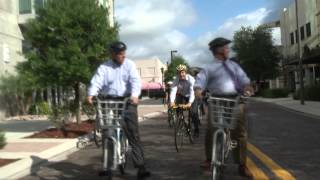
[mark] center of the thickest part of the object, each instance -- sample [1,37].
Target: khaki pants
[239,134]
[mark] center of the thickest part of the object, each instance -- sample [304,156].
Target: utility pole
[299,57]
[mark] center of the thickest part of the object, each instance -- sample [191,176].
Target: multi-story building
[150,70]
[13,15]
[308,35]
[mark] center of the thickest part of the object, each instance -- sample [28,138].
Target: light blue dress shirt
[215,78]
[116,80]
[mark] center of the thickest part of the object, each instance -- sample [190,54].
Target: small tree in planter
[63,114]
[2,139]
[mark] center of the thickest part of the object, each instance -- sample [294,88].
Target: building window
[308,29]
[297,36]
[39,4]
[139,71]
[151,71]
[25,6]
[302,32]
[5,53]
[292,38]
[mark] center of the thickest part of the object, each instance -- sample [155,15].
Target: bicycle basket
[223,112]
[110,112]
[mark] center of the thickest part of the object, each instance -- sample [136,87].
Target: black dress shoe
[143,173]
[196,133]
[105,173]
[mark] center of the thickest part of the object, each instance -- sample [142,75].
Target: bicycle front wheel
[97,137]
[217,159]
[170,118]
[179,133]
[191,130]
[200,114]
[124,154]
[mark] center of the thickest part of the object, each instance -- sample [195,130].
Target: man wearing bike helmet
[225,78]
[118,77]
[182,92]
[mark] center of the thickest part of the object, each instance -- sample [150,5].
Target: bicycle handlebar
[182,106]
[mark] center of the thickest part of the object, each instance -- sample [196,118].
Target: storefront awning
[151,85]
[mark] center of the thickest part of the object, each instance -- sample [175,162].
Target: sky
[151,28]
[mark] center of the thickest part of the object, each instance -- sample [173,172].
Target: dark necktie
[233,77]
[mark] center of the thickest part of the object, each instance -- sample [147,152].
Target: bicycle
[200,111]
[223,115]
[182,127]
[172,118]
[115,145]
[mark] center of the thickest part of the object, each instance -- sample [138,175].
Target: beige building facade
[150,70]
[308,34]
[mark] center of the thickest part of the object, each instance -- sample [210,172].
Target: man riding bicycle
[225,78]
[119,78]
[182,92]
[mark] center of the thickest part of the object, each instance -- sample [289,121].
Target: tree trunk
[49,96]
[77,102]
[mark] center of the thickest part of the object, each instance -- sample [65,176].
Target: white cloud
[151,28]
[198,53]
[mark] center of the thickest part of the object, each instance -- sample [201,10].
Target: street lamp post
[171,53]
[299,57]
[162,78]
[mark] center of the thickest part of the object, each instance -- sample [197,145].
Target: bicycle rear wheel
[200,113]
[217,159]
[179,133]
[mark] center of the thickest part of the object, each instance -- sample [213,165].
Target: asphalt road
[283,145]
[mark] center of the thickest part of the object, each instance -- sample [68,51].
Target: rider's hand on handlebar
[134,100]
[188,105]
[248,91]
[90,100]
[172,104]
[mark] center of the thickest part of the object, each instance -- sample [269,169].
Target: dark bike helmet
[218,42]
[118,46]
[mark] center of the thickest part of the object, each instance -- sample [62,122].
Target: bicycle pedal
[234,144]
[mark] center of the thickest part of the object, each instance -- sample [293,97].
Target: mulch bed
[72,130]
[4,162]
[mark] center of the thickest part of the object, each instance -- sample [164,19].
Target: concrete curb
[28,165]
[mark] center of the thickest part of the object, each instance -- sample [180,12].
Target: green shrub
[311,93]
[40,108]
[275,93]
[2,139]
